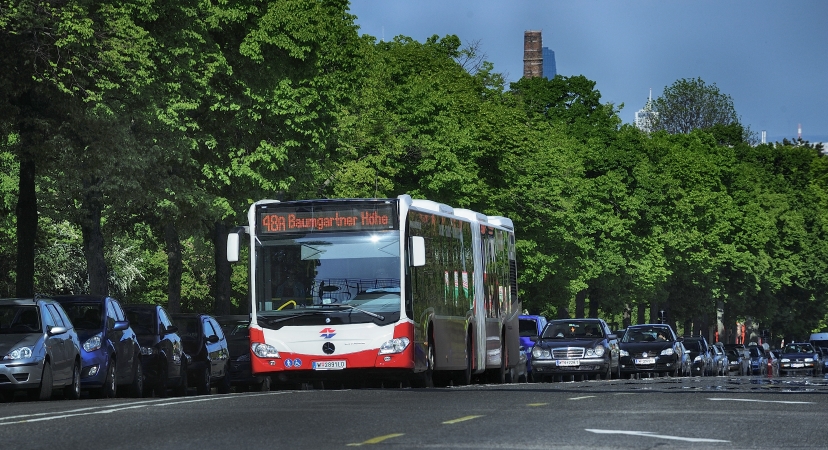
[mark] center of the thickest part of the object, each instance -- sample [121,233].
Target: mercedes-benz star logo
[328,348]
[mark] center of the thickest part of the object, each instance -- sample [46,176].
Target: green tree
[690,104]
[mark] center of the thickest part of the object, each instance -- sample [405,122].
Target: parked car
[575,347]
[40,348]
[702,361]
[738,359]
[204,342]
[758,360]
[799,357]
[110,352]
[720,362]
[650,349]
[237,331]
[685,361]
[824,357]
[530,327]
[162,354]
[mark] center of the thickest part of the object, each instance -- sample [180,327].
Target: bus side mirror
[418,255]
[232,247]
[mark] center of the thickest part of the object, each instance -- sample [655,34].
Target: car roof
[81,298]
[24,301]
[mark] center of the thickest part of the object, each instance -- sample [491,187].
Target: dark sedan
[40,349]
[582,347]
[799,357]
[758,360]
[110,351]
[652,349]
[162,355]
[237,331]
[206,345]
[702,361]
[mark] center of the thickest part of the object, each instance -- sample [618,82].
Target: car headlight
[697,358]
[785,360]
[599,351]
[20,353]
[667,352]
[396,345]
[264,350]
[589,353]
[541,353]
[809,359]
[148,350]
[92,343]
[623,353]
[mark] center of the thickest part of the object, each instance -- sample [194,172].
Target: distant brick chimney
[532,54]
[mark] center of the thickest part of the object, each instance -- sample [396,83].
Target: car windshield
[528,327]
[798,348]
[573,329]
[19,319]
[647,334]
[732,355]
[189,328]
[142,321]
[85,316]
[693,346]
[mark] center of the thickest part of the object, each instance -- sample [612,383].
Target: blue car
[530,327]
[110,352]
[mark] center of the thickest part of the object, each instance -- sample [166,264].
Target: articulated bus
[399,290]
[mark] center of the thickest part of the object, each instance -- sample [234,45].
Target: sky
[769,56]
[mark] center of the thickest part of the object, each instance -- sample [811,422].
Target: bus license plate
[328,365]
[568,362]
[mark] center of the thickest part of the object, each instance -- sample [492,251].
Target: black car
[110,352]
[700,357]
[652,349]
[237,331]
[205,344]
[162,353]
[720,361]
[40,349]
[799,357]
[575,347]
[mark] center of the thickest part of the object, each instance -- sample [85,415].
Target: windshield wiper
[282,319]
[355,308]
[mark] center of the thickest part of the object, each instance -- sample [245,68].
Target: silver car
[39,349]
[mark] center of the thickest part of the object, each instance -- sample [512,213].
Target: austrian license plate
[568,362]
[328,365]
[797,365]
[645,361]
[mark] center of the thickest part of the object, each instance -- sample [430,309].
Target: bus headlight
[396,345]
[264,350]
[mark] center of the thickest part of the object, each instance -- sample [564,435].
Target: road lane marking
[790,402]
[537,404]
[461,419]
[376,440]
[107,409]
[651,434]
[582,398]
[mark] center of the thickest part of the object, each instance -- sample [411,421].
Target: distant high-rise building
[549,69]
[532,54]
[644,117]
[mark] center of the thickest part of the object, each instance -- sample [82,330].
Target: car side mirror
[169,330]
[120,325]
[612,336]
[54,331]
[213,339]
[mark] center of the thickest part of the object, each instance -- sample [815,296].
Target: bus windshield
[357,274]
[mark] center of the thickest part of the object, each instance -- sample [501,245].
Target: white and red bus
[380,289]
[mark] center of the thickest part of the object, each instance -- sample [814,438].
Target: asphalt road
[716,412]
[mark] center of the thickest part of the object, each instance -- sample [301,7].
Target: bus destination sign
[346,218]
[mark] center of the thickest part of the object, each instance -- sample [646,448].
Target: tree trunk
[580,300]
[720,324]
[223,271]
[26,212]
[93,242]
[627,316]
[174,267]
[594,304]
[641,318]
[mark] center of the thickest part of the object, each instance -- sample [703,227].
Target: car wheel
[73,391]
[136,388]
[224,387]
[183,382]
[44,392]
[203,382]
[109,387]
[160,385]
[466,374]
